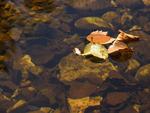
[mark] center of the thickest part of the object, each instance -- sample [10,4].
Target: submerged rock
[147,27]
[133,64]
[15,33]
[89,4]
[25,65]
[43,110]
[19,106]
[79,105]
[74,67]
[129,109]
[41,57]
[129,3]
[40,5]
[116,98]
[110,16]
[143,75]
[5,102]
[81,89]
[141,47]
[92,23]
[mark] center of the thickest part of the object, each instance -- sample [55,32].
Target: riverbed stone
[73,67]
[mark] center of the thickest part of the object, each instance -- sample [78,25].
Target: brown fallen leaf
[99,37]
[117,46]
[122,36]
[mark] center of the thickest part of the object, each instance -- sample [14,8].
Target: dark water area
[41,73]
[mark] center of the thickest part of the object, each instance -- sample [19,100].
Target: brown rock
[89,4]
[128,110]
[141,47]
[81,89]
[19,106]
[129,3]
[143,75]
[41,54]
[110,16]
[116,98]
[70,70]
[5,103]
[147,27]
[39,100]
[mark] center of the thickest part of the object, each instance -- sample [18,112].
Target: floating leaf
[116,46]
[99,37]
[96,50]
[126,37]
[120,51]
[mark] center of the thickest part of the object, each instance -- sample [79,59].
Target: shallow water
[38,65]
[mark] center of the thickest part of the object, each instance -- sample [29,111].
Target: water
[36,40]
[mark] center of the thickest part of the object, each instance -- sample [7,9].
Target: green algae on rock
[92,23]
[74,67]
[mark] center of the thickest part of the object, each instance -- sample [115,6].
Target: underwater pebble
[71,70]
[133,64]
[116,98]
[89,4]
[92,23]
[128,110]
[147,27]
[143,74]
[19,105]
[110,16]
[15,33]
[129,3]
[81,89]
[79,105]
[141,47]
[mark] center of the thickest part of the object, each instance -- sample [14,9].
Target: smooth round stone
[92,23]
[143,75]
[89,4]
[116,98]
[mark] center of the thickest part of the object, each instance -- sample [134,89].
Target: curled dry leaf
[99,37]
[122,36]
[117,46]
[99,32]
[79,105]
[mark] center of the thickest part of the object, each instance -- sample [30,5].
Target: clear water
[43,37]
